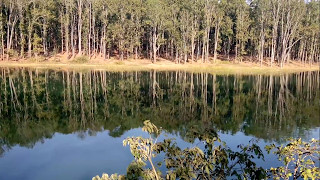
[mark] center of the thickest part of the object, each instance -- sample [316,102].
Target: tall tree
[12,16]
[156,17]
[242,26]
[218,17]
[2,32]
[290,18]
[80,12]
[261,8]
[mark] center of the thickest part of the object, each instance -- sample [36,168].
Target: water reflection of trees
[34,104]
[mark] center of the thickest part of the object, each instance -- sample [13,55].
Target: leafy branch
[216,160]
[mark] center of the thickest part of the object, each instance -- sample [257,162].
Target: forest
[272,32]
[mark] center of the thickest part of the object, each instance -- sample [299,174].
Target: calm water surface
[70,125]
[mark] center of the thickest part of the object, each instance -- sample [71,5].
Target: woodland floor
[219,67]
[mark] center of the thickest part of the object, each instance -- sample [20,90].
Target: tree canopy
[272,31]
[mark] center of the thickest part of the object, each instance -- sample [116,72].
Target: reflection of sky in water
[280,107]
[70,157]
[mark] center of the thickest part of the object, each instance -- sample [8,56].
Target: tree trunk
[203,48]
[30,30]
[66,28]
[10,30]
[207,43]
[22,38]
[262,39]
[90,30]
[275,13]
[44,40]
[216,40]
[104,42]
[192,46]
[72,36]
[154,44]
[2,47]
[62,32]
[79,26]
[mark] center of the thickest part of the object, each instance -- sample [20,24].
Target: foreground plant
[145,149]
[215,160]
[107,177]
[299,159]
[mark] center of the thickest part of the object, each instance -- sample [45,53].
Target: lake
[68,124]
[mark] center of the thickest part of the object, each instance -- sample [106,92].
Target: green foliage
[13,53]
[135,170]
[219,161]
[299,159]
[216,161]
[107,177]
[245,157]
[37,44]
[144,149]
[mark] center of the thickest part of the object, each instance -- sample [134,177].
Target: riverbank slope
[220,67]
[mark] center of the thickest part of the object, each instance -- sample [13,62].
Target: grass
[81,59]
[221,67]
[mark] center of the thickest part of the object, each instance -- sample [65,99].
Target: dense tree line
[180,30]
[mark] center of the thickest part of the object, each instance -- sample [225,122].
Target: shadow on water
[36,104]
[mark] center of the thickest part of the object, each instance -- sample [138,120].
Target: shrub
[37,59]
[107,177]
[298,158]
[119,63]
[81,59]
[56,59]
[13,54]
